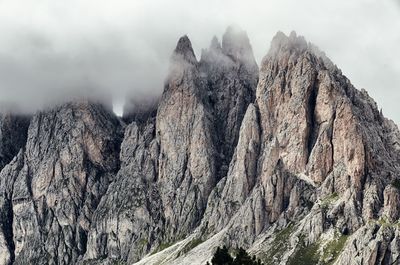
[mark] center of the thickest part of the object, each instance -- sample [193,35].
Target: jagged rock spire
[215,44]
[184,50]
[231,73]
[185,131]
[281,43]
[236,44]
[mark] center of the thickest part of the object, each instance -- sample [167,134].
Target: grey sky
[50,50]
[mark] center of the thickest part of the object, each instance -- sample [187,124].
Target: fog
[53,50]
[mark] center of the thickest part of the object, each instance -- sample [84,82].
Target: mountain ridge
[287,160]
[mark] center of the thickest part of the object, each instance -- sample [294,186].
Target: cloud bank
[54,50]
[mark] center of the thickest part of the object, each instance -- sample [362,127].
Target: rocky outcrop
[187,152]
[232,191]
[7,178]
[129,219]
[54,186]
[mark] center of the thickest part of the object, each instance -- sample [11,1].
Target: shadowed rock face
[140,109]
[291,162]
[231,76]
[128,231]
[13,132]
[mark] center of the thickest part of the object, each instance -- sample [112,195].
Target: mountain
[288,161]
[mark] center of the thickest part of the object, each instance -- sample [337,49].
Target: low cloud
[54,50]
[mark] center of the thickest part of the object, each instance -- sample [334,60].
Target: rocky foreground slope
[289,161]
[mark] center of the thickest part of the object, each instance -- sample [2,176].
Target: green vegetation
[396,183]
[222,257]
[161,247]
[333,249]
[384,222]
[278,245]
[191,245]
[97,261]
[305,254]
[320,252]
[315,254]
[142,243]
[329,200]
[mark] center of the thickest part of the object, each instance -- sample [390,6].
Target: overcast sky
[54,49]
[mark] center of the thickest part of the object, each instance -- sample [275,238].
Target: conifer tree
[222,257]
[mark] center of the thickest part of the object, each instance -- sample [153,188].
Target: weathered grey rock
[129,220]
[372,244]
[7,179]
[187,171]
[71,156]
[232,191]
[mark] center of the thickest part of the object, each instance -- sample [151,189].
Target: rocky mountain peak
[236,44]
[283,43]
[290,47]
[184,50]
[183,69]
[231,75]
[215,44]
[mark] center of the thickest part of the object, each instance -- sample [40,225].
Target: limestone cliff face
[56,182]
[129,219]
[185,133]
[291,162]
